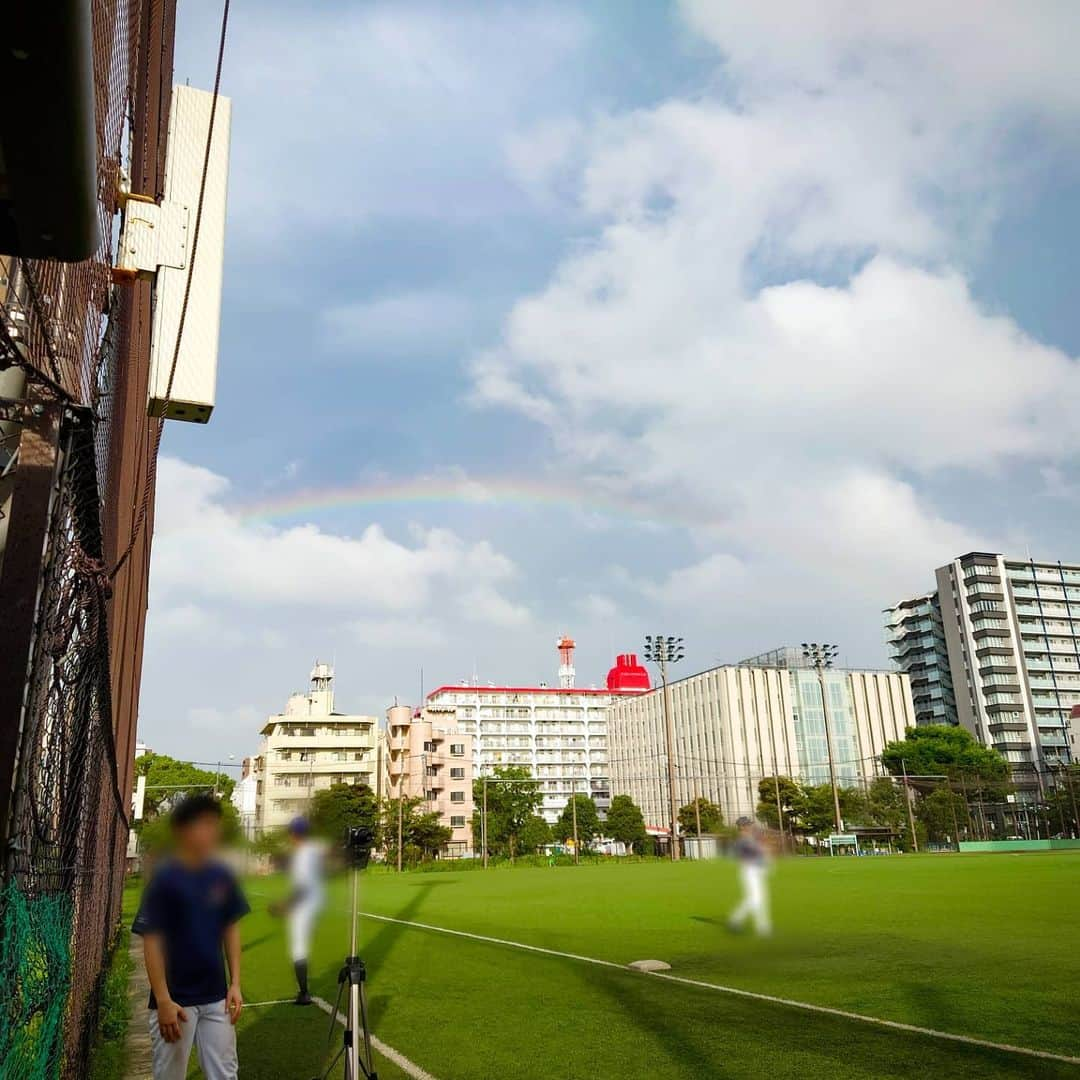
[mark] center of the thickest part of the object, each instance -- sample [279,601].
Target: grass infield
[979,945]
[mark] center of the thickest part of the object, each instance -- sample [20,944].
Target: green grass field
[985,946]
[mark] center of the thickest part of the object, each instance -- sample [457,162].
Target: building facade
[559,733]
[427,758]
[737,724]
[308,748]
[1012,632]
[1010,640]
[916,636]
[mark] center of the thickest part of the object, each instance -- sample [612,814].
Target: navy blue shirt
[191,909]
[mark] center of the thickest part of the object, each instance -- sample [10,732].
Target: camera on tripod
[359,840]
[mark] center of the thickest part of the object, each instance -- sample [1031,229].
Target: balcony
[1001,649]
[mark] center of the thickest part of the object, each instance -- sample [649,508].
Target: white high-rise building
[559,733]
[309,747]
[1009,643]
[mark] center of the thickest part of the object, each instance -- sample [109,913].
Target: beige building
[427,758]
[309,747]
[737,724]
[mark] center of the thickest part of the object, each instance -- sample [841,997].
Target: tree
[626,823]
[942,812]
[169,780]
[710,815]
[340,807]
[272,843]
[945,750]
[588,820]
[791,797]
[509,807]
[535,835]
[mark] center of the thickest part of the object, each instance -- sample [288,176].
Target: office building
[308,748]
[559,733]
[916,638]
[427,758]
[737,724]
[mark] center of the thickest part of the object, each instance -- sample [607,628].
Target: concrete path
[138,1036]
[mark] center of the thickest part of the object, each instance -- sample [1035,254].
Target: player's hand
[170,1017]
[234,1002]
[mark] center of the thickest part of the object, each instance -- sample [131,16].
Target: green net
[35,969]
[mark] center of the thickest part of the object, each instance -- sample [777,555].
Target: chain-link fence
[67,829]
[72,448]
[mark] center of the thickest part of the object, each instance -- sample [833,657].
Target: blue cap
[299,826]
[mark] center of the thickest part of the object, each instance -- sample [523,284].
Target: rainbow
[497,492]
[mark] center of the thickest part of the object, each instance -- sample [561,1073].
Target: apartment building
[736,724]
[427,758]
[309,747]
[916,637]
[1010,640]
[559,733]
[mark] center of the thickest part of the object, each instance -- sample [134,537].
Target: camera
[359,840]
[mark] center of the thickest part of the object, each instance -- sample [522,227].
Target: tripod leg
[370,1069]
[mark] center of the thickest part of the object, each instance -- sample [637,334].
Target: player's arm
[170,1015]
[234,1000]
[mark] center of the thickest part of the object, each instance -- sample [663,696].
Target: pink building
[427,758]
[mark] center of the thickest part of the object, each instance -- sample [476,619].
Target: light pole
[663,650]
[821,657]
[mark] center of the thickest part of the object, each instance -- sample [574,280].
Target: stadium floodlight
[664,649]
[821,657]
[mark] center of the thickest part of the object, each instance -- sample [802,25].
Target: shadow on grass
[699,1034]
[376,949]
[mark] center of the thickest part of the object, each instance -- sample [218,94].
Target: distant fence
[1019,845]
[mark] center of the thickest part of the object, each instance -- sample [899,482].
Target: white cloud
[385,109]
[409,322]
[202,549]
[801,418]
[984,52]
[223,723]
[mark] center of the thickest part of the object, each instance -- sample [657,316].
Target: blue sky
[791,284]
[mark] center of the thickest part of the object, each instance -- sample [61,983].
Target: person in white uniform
[304,902]
[753,858]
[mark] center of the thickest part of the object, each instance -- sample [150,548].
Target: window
[457,773]
[429,748]
[457,796]
[457,822]
[457,749]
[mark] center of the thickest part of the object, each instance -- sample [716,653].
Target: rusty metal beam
[20,578]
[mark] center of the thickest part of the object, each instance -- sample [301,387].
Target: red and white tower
[566,646]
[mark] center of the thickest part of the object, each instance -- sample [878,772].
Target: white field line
[262,1004]
[806,1006]
[408,1067]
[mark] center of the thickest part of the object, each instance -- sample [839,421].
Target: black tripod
[356,1046]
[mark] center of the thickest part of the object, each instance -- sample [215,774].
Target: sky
[721,320]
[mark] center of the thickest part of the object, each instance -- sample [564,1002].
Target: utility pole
[663,650]
[573,814]
[484,825]
[822,657]
[910,813]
